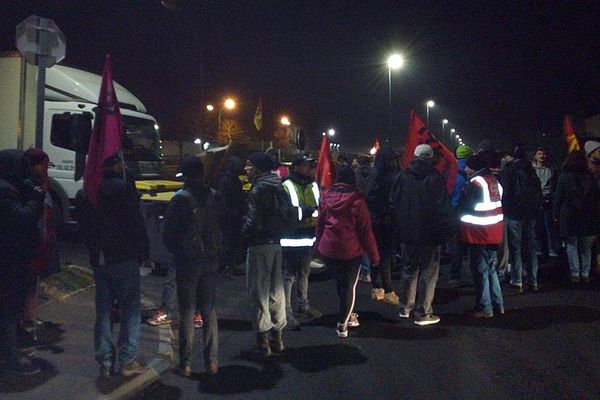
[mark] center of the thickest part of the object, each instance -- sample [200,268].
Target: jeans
[196,286]
[264,284]
[346,274]
[365,265]
[382,274]
[121,282]
[488,294]
[296,269]
[422,270]
[456,249]
[546,234]
[579,254]
[521,247]
[169,293]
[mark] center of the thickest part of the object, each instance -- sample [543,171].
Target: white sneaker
[353,321]
[404,313]
[427,320]
[341,330]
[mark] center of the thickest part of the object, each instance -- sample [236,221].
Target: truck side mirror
[71,131]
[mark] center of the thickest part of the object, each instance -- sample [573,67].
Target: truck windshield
[141,141]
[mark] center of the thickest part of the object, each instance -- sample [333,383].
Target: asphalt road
[547,346]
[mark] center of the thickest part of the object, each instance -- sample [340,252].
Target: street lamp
[285,121]
[444,123]
[198,141]
[331,132]
[229,104]
[395,61]
[429,105]
[206,145]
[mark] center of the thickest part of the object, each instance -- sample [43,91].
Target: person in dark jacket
[21,207]
[117,234]
[521,202]
[234,201]
[577,211]
[423,220]
[195,276]
[546,235]
[344,235]
[378,195]
[264,278]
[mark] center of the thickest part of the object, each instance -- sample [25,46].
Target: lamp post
[429,104]
[444,123]
[395,61]
[198,141]
[228,104]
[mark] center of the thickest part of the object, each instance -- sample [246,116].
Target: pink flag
[106,137]
[325,168]
[419,134]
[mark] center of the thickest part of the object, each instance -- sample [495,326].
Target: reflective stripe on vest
[483,224]
[303,242]
[296,200]
[487,204]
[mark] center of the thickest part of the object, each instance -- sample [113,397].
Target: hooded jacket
[21,207]
[261,224]
[343,228]
[421,204]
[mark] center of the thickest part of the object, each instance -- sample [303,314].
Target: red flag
[325,168]
[106,137]
[376,146]
[572,143]
[419,134]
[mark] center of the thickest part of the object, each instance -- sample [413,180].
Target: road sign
[39,38]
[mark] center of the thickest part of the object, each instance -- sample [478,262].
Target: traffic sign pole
[41,83]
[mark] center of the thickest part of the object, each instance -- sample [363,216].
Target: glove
[307,211]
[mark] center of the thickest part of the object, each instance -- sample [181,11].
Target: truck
[71,96]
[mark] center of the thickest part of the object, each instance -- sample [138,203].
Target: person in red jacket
[481,228]
[343,236]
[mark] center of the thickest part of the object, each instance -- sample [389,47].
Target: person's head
[576,162]
[462,152]
[355,163]
[486,146]
[345,174]
[592,151]
[476,163]
[304,166]
[342,159]
[364,161]
[38,160]
[191,169]
[113,164]
[14,167]
[519,151]
[258,163]
[541,156]
[424,152]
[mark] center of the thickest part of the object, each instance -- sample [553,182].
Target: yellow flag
[258,116]
[572,142]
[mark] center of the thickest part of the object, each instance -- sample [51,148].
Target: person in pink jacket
[344,235]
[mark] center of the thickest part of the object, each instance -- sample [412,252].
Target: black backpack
[286,213]
[203,239]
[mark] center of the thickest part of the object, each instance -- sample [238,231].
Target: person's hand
[307,211]
[34,192]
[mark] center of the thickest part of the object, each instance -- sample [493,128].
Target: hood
[14,167]
[419,168]
[462,163]
[339,197]
[267,179]
[383,159]
[233,166]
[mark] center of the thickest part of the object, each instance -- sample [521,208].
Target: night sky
[502,70]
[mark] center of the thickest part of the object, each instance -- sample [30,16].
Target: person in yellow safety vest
[298,246]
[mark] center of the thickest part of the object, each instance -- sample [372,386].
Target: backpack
[203,239]
[286,214]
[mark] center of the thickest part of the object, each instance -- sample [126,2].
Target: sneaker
[574,279]
[516,289]
[377,294]
[391,298]
[292,324]
[341,330]
[454,283]
[159,318]
[427,320]
[24,367]
[404,313]
[553,255]
[309,311]
[198,321]
[353,321]
[212,368]
[133,368]
[477,314]
[365,278]
[534,287]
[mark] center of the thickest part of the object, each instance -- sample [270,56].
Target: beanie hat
[590,146]
[36,156]
[262,161]
[477,162]
[463,151]
[485,146]
[423,151]
[345,174]
[191,167]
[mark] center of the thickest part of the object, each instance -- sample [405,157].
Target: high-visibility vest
[302,195]
[485,222]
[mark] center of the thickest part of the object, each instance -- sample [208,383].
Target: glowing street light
[394,62]
[229,103]
[210,107]
[197,141]
[429,104]
[285,121]
[206,145]
[331,132]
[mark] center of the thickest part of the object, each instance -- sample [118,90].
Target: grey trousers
[419,278]
[264,284]
[296,269]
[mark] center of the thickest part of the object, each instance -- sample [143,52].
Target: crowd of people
[504,212]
